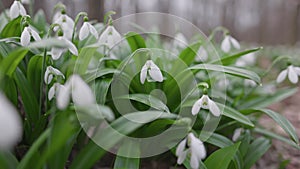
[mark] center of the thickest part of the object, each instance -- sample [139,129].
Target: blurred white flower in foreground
[180,41]
[10,124]
[193,147]
[57,52]
[81,93]
[86,29]
[110,37]
[237,133]
[26,2]
[17,9]
[228,42]
[50,71]
[292,72]
[153,70]
[66,23]
[53,91]
[26,35]
[245,60]
[206,103]
[249,83]
[202,55]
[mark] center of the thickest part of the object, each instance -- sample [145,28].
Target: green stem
[76,22]
[220,28]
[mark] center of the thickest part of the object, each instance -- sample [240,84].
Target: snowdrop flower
[180,41]
[292,72]
[26,2]
[86,29]
[237,133]
[110,36]
[57,52]
[206,103]
[53,91]
[193,147]
[66,23]
[17,9]
[75,87]
[201,55]
[50,71]
[153,70]
[10,124]
[248,59]
[228,42]
[26,35]
[249,83]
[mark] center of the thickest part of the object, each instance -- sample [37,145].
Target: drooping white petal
[14,10]
[82,95]
[10,124]
[34,34]
[293,77]
[63,96]
[84,31]
[225,45]
[236,134]
[235,43]
[51,92]
[196,107]
[71,47]
[282,75]
[180,148]
[25,1]
[182,157]
[155,72]
[197,147]
[213,108]
[143,74]
[201,55]
[116,35]
[25,37]
[297,70]
[205,102]
[56,53]
[251,83]
[93,31]
[110,37]
[21,9]
[194,162]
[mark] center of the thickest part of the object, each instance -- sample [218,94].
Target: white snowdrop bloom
[57,52]
[50,71]
[206,103]
[202,55]
[110,36]
[153,70]
[237,133]
[193,147]
[26,35]
[53,91]
[16,10]
[26,2]
[228,42]
[66,23]
[86,29]
[248,59]
[10,124]
[292,72]
[180,41]
[75,87]
[249,83]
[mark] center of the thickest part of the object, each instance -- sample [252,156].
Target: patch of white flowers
[229,42]
[292,72]
[17,9]
[153,70]
[192,147]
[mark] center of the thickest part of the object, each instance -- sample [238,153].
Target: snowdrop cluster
[229,42]
[206,103]
[292,72]
[110,37]
[26,35]
[17,9]
[193,147]
[75,87]
[10,124]
[153,70]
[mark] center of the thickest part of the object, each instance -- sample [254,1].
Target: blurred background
[268,22]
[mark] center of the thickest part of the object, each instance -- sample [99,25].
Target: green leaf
[188,54]
[39,21]
[34,71]
[12,29]
[135,41]
[228,70]
[257,148]
[91,153]
[8,160]
[10,89]
[84,58]
[47,43]
[102,86]
[221,158]
[89,77]
[9,64]
[127,156]
[232,58]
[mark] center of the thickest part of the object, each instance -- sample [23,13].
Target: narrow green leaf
[84,58]
[8,160]
[135,41]
[228,70]
[188,54]
[9,64]
[12,29]
[257,148]
[34,71]
[128,156]
[221,158]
